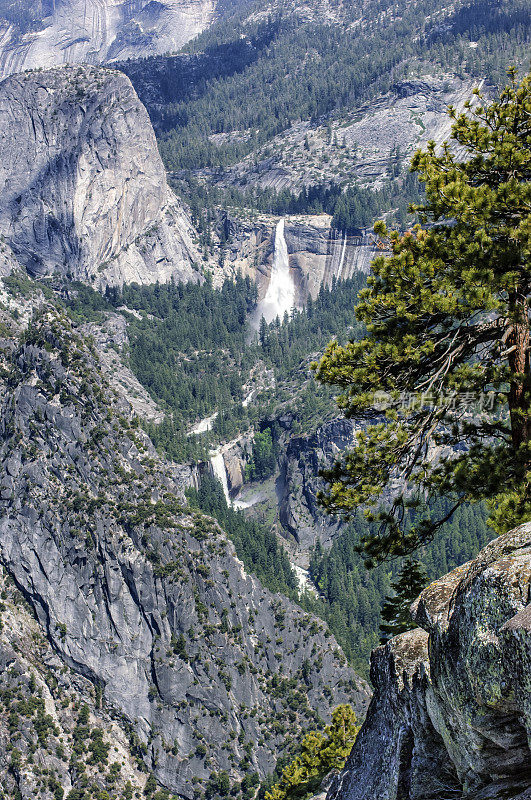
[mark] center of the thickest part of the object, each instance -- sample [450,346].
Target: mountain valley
[187,198]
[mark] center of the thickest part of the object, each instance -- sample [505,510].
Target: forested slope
[184,334]
[286,69]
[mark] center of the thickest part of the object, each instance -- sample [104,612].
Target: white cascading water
[280,294]
[247,399]
[203,425]
[342,258]
[303,578]
[336,251]
[220,472]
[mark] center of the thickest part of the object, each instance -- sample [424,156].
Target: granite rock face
[304,456]
[451,713]
[83,191]
[43,707]
[99,31]
[320,253]
[138,594]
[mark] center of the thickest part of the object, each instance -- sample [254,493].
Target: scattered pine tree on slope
[255,544]
[395,610]
[320,754]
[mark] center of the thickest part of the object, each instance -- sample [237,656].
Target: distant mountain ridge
[96,31]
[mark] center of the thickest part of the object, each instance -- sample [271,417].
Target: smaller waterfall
[247,399]
[336,252]
[280,294]
[220,472]
[303,578]
[342,258]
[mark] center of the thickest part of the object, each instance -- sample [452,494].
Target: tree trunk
[518,360]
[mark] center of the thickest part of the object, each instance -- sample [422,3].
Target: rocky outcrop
[299,483]
[83,191]
[451,713]
[111,339]
[134,591]
[99,31]
[317,252]
[236,455]
[362,145]
[249,249]
[52,716]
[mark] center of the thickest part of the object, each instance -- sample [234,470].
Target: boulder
[451,712]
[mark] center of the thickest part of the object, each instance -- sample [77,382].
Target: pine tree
[446,360]
[320,754]
[395,610]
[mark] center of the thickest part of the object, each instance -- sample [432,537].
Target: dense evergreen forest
[189,332]
[252,80]
[350,596]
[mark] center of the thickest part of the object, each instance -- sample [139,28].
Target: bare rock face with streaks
[83,191]
[138,594]
[451,713]
[299,511]
[99,31]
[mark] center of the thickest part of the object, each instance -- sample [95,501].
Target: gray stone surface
[137,593]
[99,31]
[299,483]
[40,702]
[82,188]
[451,713]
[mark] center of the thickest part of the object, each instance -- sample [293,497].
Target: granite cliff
[83,191]
[55,733]
[301,461]
[317,252]
[98,31]
[451,715]
[133,591]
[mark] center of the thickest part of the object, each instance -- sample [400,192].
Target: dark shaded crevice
[405,758]
[34,600]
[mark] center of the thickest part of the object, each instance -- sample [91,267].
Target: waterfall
[342,259]
[280,294]
[220,472]
[336,252]
[303,578]
[203,425]
[247,399]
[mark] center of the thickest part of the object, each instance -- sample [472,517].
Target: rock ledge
[451,713]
